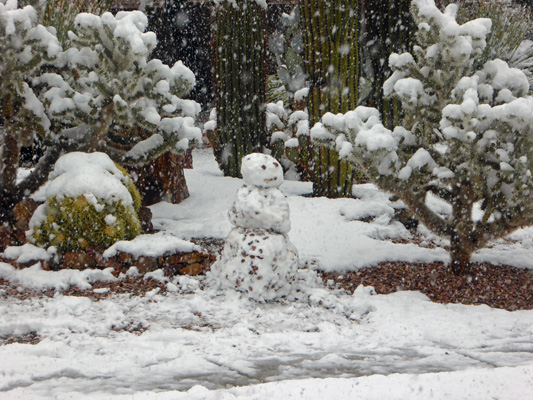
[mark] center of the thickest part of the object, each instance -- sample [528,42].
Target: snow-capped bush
[25,45]
[89,202]
[289,137]
[507,40]
[466,136]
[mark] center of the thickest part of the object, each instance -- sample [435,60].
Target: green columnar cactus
[240,76]
[331,37]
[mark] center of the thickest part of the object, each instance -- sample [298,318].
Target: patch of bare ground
[28,338]
[136,286]
[498,286]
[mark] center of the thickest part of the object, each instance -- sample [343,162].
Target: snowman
[258,257]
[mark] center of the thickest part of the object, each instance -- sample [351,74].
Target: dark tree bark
[162,180]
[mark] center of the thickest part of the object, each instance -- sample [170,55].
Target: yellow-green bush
[135,195]
[74,224]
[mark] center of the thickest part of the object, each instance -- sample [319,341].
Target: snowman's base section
[258,262]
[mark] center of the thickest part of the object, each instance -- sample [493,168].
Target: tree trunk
[462,241]
[10,151]
[460,255]
[161,180]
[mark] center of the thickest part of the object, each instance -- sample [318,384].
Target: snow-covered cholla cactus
[134,106]
[90,202]
[258,258]
[466,138]
[25,45]
[289,136]
[287,46]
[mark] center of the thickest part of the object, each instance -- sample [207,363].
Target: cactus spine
[331,37]
[240,82]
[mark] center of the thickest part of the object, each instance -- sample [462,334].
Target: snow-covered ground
[201,343]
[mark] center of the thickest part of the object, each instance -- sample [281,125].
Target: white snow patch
[26,253]
[153,245]
[35,277]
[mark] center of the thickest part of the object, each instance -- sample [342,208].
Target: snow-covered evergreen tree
[466,136]
[134,106]
[507,40]
[25,46]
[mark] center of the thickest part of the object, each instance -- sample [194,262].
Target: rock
[182,258]
[187,160]
[104,262]
[193,269]
[78,261]
[145,216]
[146,264]
[7,238]
[124,258]
[23,211]
[45,265]
[162,179]
[192,258]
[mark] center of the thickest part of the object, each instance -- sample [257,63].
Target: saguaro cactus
[240,82]
[331,30]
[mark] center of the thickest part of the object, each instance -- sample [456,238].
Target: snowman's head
[261,170]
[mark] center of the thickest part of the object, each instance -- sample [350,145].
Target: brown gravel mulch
[28,338]
[136,286]
[499,286]
[503,287]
